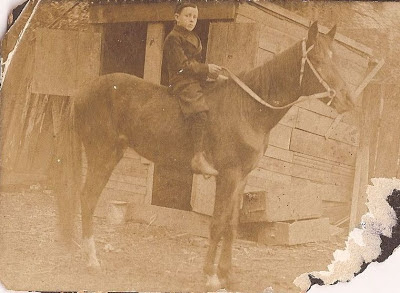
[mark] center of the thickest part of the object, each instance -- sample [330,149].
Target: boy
[182,52]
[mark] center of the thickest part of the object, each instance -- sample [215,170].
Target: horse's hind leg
[101,162]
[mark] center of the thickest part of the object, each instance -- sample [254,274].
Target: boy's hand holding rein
[214,69]
[213,72]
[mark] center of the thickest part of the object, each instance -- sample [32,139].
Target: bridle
[304,59]
[330,93]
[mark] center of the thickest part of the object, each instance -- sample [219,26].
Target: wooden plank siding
[277,34]
[230,44]
[280,136]
[156,12]
[64,60]
[317,146]
[289,16]
[319,124]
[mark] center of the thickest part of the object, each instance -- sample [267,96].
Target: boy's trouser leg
[199,163]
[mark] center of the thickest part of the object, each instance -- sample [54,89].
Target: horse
[117,111]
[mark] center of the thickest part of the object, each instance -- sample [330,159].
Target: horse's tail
[69,172]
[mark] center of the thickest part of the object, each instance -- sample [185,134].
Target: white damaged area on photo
[4,13]
[362,247]
[6,8]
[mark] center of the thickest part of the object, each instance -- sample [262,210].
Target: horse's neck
[277,82]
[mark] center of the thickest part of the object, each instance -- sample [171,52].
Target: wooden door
[64,59]
[61,62]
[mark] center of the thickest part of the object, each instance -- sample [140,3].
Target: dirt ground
[134,257]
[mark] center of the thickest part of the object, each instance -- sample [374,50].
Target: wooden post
[368,127]
[152,72]
[360,186]
[388,143]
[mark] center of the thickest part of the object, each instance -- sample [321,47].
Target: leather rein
[331,93]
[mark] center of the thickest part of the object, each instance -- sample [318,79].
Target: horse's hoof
[213,284]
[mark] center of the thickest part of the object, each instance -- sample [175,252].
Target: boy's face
[187,18]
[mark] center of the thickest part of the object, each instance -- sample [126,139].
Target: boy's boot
[199,163]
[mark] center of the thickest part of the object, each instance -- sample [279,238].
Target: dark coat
[182,53]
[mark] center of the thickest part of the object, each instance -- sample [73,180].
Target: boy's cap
[182,4]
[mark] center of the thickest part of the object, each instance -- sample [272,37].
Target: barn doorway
[124,48]
[172,187]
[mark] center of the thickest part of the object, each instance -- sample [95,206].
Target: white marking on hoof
[213,284]
[89,248]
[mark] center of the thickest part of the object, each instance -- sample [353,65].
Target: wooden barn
[309,173]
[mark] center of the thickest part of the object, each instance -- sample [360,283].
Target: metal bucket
[117,211]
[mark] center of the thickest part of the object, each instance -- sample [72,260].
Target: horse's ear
[331,34]
[312,34]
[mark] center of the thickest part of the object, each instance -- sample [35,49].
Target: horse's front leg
[229,235]
[227,185]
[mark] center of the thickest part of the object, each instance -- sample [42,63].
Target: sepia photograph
[199,146]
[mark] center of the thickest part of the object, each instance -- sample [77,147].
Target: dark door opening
[172,187]
[124,48]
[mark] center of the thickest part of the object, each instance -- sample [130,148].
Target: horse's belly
[160,133]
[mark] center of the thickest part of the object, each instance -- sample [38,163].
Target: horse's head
[320,71]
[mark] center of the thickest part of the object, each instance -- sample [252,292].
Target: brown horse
[117,111]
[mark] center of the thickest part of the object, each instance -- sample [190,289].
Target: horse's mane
[278,74]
